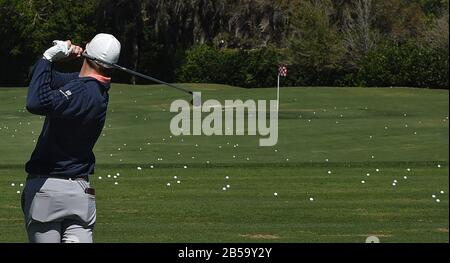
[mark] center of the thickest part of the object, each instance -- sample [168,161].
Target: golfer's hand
[75,51]
[62,50]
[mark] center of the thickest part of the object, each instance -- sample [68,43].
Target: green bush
[410,64]
[245,68]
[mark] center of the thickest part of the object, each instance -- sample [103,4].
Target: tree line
[241,42]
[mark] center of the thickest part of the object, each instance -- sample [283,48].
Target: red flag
[282,71]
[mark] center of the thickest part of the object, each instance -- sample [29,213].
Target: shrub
[245,68]
[409,64]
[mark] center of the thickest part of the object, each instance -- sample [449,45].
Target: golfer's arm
[41,95]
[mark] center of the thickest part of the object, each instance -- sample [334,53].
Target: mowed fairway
[342,147]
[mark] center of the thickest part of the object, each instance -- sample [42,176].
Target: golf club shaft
[136,73]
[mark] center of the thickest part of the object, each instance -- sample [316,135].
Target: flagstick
[278,93]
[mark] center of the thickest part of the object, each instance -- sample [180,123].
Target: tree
[358,34]
[30,26]
[315,46]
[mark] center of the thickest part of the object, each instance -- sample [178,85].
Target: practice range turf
[370,160]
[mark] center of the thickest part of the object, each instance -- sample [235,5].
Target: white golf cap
[105,47]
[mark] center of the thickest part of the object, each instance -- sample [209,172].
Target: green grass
[313,139]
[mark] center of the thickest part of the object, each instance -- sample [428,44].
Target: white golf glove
[60,50]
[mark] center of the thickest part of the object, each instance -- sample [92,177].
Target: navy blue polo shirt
[75,110]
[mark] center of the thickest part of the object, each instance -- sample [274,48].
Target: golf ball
[118,174]
[175,177]
[227,177]
[115,177]
[224,188]
[433,196]
[139,168]
[394,184]
[311,199]
[363,182]
[21,185]
[185,167]
[178,182]
[99,178]
[151,166]
[377,170]
[368,174]
[275,194]
[408,169]
[116,183]
[442,192]
[13,184]
[437,200]
[405,177]
[439,166]
[395,181]
[228,186]
[18,192]
[168,184]
[329,172]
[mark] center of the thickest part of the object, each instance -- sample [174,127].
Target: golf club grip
[136,73]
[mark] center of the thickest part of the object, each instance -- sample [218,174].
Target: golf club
[84,54]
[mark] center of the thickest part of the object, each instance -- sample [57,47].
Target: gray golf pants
[58,210]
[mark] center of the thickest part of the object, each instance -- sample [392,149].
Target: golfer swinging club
[58,202]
